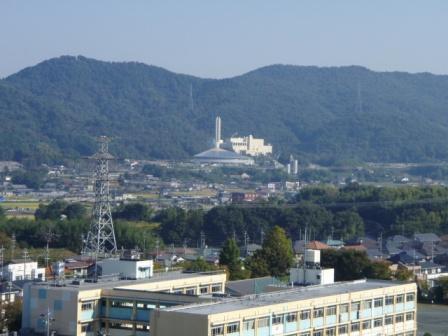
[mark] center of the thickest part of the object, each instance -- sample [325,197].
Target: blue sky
[212,38]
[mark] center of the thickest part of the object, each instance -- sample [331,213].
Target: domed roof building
[221,156]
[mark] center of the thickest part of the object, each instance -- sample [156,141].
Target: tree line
[341,213]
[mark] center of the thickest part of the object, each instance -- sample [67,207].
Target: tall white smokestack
[218,132]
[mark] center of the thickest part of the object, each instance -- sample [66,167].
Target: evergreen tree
[230,257]
[275,257]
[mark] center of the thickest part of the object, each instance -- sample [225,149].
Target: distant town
[231,242]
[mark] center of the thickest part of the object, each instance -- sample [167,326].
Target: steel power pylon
[100,240]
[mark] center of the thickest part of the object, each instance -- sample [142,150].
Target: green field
[144,195]
[32,205]
[202,193]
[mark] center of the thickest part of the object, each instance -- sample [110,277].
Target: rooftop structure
[310,272]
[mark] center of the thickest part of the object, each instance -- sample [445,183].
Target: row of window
[342,329]
[128,326]
[332,332]
[125,326]
[357,306]
[215,288]
[130,304]
[343,308]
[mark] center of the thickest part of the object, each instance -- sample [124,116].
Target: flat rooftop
[116,283]
[288,295]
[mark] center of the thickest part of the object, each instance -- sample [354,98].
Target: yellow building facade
[359,308]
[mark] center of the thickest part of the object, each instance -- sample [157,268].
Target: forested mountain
[327,115]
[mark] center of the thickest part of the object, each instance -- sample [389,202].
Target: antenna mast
[191,98]
[2,250]
[360,107]
[100,240]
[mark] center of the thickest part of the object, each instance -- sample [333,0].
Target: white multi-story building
[249,145]
[23,270]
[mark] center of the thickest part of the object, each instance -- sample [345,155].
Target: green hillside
[56,108]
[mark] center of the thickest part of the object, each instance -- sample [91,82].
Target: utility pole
[157,247]
[380,244]
[432,251]
[13,245]
[47,319]
[202,240]
[48,236]
[25,261]
[185,245]
[2,251]
[191,98]
[246,240]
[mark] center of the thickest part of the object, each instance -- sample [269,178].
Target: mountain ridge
[321,114]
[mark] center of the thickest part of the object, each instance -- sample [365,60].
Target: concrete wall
[176,324]
[59,303]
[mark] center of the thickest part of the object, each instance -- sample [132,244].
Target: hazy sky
[224,38]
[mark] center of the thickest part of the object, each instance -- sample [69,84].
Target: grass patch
[31,205]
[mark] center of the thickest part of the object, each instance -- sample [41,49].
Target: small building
[128,266]
[426,238]
[239,197]
[8,293]
[23,269]
[334,243]
[78,268]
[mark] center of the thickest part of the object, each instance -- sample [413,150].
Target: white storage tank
[312,256]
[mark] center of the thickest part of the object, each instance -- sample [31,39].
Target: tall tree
[276,255]
[230,257]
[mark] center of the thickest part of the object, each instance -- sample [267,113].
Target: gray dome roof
[219,155]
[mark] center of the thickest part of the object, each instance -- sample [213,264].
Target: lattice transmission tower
[100,240]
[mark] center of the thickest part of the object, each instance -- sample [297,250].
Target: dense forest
[53,111]
[350,212]
[353,211]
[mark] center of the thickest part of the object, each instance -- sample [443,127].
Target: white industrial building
[310,272]
[249,145]
[23,270]
[220,156]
